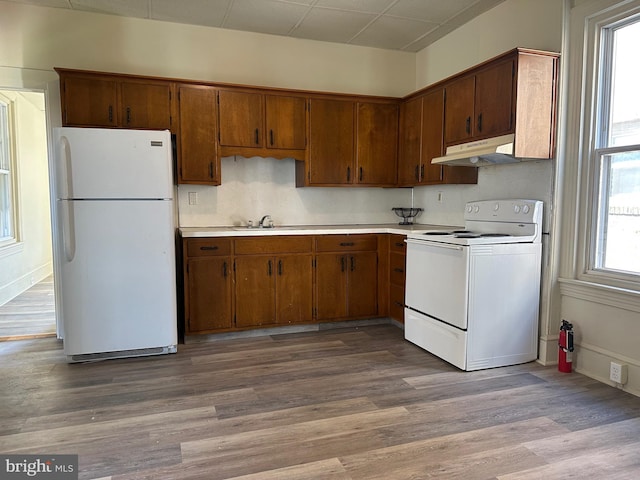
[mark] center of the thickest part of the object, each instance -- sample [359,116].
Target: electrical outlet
[440,197]
[618,373]
[193,198]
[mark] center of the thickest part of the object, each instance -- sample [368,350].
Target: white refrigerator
[115,247]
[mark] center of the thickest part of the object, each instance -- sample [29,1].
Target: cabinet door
[208,294]
[241,118]
[377,143]
[459,110]
[197,160]
[286,122]
[294,287]
[331,142]
[255,291]
[432,146]
[146,105]
[362,284]
[494,100]
[410,142]
[331,286]
[90,102]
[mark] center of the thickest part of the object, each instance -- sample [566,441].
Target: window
[7,167]
[614,246]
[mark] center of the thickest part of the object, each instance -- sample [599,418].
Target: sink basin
[258,230]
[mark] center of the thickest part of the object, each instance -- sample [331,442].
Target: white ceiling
[408,25]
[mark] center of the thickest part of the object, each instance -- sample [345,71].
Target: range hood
[490,151]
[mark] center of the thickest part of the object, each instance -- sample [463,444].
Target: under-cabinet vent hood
[490,151]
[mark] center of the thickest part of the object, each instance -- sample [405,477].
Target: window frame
[8,243]
[598,39]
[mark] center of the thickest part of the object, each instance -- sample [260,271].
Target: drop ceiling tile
[264,16]
[392,32]
[45,3]
[429,10]
[431,37]
[125,8]
[197,12]
[474,10]
[332,25]
[371,6]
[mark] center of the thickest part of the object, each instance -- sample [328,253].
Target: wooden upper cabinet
[102,100]
[241,118]
[331,142]
[377,144]
[197,115]
[285,122]
[432,141]
[89,101]
[146,105]
[410,143]
[515,93]
[421,130]
[481,104]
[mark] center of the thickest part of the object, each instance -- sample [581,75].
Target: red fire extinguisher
[565,347]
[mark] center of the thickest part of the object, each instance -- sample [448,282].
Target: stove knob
[496,207]
[476,209]
[516,208]
[525,209]
[469,208]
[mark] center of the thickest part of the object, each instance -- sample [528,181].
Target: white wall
[513,23]
[30,260]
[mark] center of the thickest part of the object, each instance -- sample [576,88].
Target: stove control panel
[518,210]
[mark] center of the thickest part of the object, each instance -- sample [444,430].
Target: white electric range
[472,295]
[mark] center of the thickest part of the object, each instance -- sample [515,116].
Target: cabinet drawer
[346,243]
[397,244]
[397,269]
[273,245]
[396,302]
[202,247]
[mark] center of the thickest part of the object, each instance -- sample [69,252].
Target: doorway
[27,300]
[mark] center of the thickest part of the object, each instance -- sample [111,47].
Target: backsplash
[253,187]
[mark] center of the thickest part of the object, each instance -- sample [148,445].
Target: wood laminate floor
[347,404]
[31,314]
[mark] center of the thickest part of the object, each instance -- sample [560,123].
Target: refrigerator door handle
[65,185]
[68,230]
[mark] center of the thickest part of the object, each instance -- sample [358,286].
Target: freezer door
[110,163]
[117,275]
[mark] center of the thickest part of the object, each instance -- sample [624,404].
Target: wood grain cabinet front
[198,161]
[256,124]
[346,277]
[421,140]
[124,101]
[397,276]
[208,285]
[273,281]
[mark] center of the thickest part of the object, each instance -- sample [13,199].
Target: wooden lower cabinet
[273,290]
[346,283]
[397,276]
[253,282]
[208,285]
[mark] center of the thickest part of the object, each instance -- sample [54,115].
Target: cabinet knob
[468,127]
[480,123]
[347,244]
[271,137]
[128,115]
[209,247]
[360,175]
[257,136]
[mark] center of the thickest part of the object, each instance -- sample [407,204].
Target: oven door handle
[435,244]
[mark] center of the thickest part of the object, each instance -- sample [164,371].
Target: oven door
[438,281]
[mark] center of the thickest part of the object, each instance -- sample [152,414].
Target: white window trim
[9,246]
[587,19]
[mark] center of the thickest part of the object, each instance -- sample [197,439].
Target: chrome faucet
[267,219]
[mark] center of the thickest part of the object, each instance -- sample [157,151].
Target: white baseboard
[14,288]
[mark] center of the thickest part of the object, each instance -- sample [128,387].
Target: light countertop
[195,232]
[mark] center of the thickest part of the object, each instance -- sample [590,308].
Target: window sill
[9,249]
[603,294]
